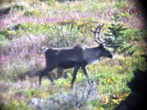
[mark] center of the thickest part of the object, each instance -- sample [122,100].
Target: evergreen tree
[114,37]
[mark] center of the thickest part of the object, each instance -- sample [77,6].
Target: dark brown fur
[75,57]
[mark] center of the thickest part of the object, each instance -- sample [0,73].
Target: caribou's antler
[97,34]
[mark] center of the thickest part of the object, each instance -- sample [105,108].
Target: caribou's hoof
[90,82]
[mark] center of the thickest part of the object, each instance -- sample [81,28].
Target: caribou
[76,57]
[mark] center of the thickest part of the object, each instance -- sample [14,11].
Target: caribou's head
[105,52]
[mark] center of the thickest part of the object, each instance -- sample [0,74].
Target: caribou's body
[75,57]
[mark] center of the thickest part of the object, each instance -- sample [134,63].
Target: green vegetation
[115,37]
[39,24]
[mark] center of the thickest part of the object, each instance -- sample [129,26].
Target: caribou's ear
[101,46]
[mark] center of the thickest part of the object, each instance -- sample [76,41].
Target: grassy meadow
[31,24]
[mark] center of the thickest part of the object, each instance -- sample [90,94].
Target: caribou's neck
[91,55]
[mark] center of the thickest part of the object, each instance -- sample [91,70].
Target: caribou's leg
[74,75]
[46,72]
[59,72]
[86,73]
